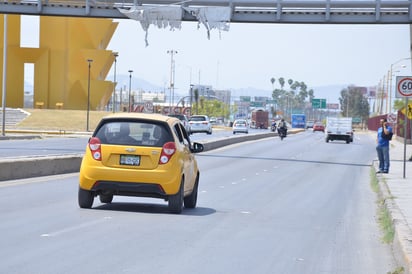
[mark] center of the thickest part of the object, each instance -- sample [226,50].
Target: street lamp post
[191,98]
[88,93]
[390,86]
[130,86]
[115,54]
[172,78]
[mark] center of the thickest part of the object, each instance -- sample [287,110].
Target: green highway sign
[318,103]
[256,104]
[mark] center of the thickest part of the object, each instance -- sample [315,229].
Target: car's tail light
[205,123]
[95,148]
[168,150]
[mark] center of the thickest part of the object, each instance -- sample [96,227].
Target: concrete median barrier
[27,167]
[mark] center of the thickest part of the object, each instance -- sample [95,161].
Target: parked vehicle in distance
[339,128]
[200,123]
[142,155]
[318,126]
[183,118]
[240,126]
[310,123]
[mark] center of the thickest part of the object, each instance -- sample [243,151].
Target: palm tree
[272,80]
[282,82]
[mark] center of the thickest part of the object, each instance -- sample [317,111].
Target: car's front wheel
[85,198]
[191,200]
[176,200]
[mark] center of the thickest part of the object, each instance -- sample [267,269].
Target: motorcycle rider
[273,127]
[282,127]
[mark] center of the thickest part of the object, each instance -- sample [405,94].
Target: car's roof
[138,115]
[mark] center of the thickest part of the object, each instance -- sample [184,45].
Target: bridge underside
[241,11]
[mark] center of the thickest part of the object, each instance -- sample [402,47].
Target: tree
[398,104]
[353,103]
[272,80]
[296,96]
[212,108]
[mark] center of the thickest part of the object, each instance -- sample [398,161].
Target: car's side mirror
[197,147]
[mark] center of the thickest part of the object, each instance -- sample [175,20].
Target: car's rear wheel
[106,198]
[191,200]
[85,198]
[176,201]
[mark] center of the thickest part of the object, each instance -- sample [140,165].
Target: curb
[401,245]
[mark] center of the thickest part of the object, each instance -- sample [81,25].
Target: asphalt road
[294,206]
[42,147]
[76,145]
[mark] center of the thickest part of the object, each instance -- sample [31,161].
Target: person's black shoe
[385,172]
[379,171]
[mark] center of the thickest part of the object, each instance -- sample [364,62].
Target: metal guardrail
[253,11]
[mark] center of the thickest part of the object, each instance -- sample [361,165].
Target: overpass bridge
[240,11]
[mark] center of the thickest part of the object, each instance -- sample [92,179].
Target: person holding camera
[382,148]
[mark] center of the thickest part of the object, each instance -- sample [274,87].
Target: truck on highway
[259,119]
[339,128]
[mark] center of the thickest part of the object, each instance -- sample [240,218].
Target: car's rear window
[136,133]
[180,117]
[197,118]
[240,123]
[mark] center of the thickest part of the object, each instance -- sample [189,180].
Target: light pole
[191,98]
[88,93]
[130,86]
[172,77]
[390,87]
[115,54]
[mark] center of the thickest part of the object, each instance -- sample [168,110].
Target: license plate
[130,160]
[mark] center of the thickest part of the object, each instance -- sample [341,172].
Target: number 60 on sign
[403,86]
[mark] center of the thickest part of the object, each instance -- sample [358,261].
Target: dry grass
[68,120]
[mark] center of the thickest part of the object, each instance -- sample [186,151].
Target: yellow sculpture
[60,63]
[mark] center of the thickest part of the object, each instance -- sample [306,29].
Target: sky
[249,55]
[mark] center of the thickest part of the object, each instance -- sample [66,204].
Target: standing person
[382,147]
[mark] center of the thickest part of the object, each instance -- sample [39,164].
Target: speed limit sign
[403,86]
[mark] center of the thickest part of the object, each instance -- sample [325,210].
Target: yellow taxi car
[141,155]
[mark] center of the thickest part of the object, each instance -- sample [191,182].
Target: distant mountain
[331,92]
[136,83]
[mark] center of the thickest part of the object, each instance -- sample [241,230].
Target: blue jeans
[383,156]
